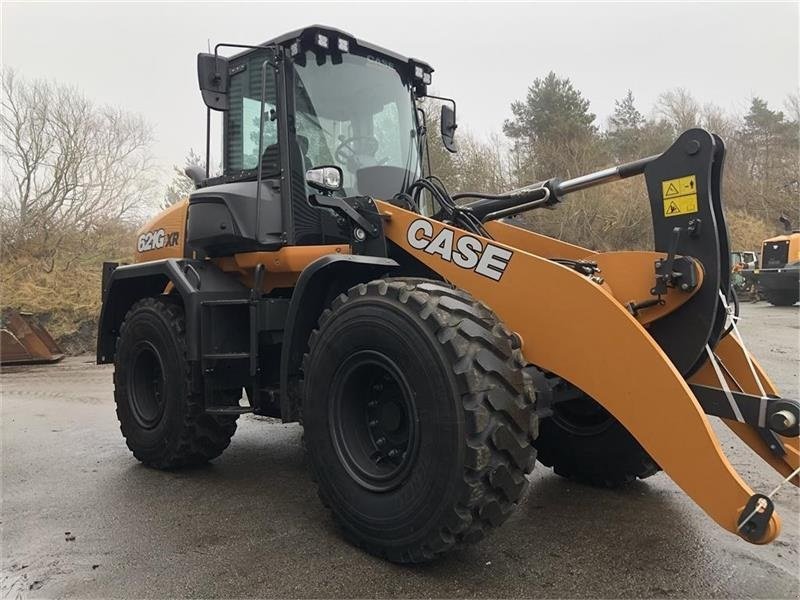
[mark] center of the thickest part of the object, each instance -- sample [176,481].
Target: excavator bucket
[24,341]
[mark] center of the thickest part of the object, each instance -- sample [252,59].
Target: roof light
[418,72]
[322,40]
[343,45]
[295,48]
[426,78]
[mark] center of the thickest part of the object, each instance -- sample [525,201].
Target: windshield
[358,115]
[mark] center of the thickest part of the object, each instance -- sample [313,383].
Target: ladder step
[227,356]
[228,410]
[230,302]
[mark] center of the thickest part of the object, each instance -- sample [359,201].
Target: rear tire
[782,297]
[581,441]
[161,419]
[417,417]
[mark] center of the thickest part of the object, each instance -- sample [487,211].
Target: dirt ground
[82,519]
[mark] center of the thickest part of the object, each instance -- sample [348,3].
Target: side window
[243,118]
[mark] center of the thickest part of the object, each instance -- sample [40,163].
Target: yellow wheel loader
[778,276]
[428,346]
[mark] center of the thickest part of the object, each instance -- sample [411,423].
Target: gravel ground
[81,518]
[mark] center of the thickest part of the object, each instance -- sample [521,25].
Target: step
[229,302]
[228,410]
[226,356]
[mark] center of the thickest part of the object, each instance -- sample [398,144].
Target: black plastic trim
[193,280]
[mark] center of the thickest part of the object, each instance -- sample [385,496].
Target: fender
[193,280]
[317,285]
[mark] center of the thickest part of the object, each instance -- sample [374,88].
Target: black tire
[161,419]
[436,376]
[782,297]
[583,442]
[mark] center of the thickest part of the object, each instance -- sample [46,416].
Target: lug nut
[380,441]
[373,423]
[393,452]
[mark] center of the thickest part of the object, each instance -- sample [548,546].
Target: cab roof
[307,34]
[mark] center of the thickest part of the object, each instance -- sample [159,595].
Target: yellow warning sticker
[680,206]
[680,196]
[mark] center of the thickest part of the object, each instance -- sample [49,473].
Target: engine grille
[775,255]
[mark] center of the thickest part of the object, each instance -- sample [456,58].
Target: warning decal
[679,195]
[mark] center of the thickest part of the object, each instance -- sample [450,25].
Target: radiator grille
[775,255]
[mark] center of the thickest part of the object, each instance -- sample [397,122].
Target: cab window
[244,116]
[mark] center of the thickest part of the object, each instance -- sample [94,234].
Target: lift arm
[574,327]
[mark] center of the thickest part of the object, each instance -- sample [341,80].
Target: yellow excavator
[431,350]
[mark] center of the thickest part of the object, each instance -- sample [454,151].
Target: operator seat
[271,158]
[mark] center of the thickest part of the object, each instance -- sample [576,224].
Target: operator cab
[307,100]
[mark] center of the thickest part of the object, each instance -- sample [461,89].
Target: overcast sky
[141,56]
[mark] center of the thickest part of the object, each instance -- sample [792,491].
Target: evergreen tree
[625,129]
[552,129]
[181,186]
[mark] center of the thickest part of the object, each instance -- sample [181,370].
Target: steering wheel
[345,152]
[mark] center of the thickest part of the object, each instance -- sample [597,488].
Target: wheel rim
[582,416]
[373,421]
[146,386]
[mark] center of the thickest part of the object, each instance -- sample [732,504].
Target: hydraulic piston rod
[528,197]
[606,175]
[545,193]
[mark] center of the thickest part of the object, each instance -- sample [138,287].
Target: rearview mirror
[325,179]
[212,75]
[196,174]
[449,125]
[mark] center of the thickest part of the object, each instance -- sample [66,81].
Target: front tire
[161,419]
[417,417]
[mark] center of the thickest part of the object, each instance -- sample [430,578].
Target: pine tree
[625,128]
[552,129]
[181,186]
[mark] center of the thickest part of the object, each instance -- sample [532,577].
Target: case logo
[155,240]
[465,251]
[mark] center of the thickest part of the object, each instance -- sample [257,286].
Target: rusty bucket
[24,341]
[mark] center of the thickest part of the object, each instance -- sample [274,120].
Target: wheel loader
[431,349]
[778,275]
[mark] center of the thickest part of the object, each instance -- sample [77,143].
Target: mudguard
[194,280]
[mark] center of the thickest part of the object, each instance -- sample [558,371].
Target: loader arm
[572,326]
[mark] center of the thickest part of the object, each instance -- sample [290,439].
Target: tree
[71,167]
[625,128]
[552,130]
[679,108]
[477,166]
[771,159]
[181,186]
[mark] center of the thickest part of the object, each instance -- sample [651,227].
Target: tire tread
[202,437]
[498,402]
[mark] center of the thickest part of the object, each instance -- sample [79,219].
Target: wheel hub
[582,416]
[373,421]
[146,386]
